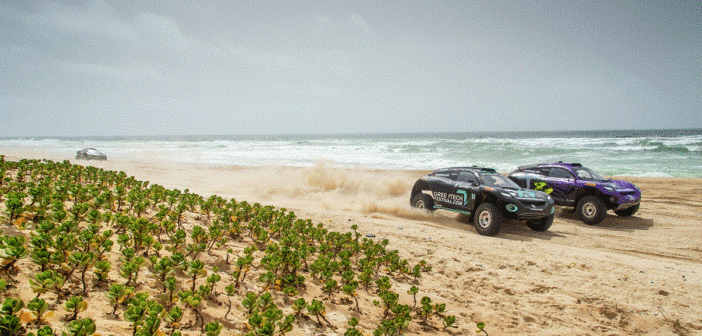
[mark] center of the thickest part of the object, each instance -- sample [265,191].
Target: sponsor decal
[543,187]
[465,196]
[447,198]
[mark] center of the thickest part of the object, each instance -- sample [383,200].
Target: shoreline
[20,152]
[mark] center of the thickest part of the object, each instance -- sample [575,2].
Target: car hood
[525,194]
[616,185]
[620,185]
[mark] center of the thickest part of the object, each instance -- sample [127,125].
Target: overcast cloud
[108,67]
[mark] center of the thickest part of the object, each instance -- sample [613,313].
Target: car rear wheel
[488,219]
[591,210]
[423,201]
[542,224]
[628,211]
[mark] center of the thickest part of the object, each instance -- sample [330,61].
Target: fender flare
[418,187]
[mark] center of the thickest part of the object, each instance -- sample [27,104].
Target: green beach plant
[450,322]
[14,206]
[213,279]
[352,331]
[46,280]
[162,269]
[212,328]
[10,323]
[75,305]
[11,306]
[43,331]
[193,301]
[298,306]
[137,311]
[38,307]
[130,269]
[102,270]
[350,290]
[173,318]
[481,328]
[317,309]
[12,249]
[196,269]
[82,261]
[171,285]
[118,293]
[82,327]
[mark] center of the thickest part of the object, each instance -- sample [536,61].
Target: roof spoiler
[492,170]
[571,163]
[531,166]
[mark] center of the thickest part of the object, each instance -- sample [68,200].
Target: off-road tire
[488,219]
[591,210]
[423,201]
[628,211]
[542,224]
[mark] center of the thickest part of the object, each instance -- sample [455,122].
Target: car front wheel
[591,210]
[423,201]
[542,224]
[488,219]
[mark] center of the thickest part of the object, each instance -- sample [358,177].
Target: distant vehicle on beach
[573,185]
[485,196]
[90,154]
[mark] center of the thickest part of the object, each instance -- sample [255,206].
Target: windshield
[93,151]
[587,174]
[499,181]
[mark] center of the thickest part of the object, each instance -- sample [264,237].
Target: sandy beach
[627,276]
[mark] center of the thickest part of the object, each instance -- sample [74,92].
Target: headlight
[506,195]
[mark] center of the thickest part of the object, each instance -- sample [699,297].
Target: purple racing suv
[571,184]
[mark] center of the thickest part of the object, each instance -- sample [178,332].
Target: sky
[228,67]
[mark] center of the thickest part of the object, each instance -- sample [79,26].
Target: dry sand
[627,276]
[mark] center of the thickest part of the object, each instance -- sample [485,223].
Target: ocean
[673,153]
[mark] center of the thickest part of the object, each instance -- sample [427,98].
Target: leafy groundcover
[86,251]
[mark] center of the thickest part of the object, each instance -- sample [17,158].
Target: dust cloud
[343,189]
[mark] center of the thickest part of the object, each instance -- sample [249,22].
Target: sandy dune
[627,276]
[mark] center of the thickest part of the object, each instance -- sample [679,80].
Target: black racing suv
[485,196]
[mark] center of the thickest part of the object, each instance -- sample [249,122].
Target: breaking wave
[671,149]
[648,152]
